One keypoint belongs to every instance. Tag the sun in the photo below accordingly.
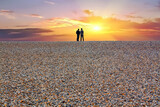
(97, 28)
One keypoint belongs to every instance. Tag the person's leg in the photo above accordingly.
(77, 38)
(83, 38)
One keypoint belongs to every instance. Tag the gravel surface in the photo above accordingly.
(80, 74)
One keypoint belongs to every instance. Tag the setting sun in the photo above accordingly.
(97, 28)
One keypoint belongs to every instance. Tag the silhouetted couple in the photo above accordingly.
(80, 33)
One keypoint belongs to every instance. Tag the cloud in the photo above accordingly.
(49, 2)
(11, 14)
(149, 25)
(34, 15)
(7, 13)
(157, 19)
(59, 23)
(133, 16)
(23, 34)
(22, 26)
(88, 12)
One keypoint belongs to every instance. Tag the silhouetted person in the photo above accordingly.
(78, 33)
(82, 35)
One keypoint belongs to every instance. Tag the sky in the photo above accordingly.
(58, 20)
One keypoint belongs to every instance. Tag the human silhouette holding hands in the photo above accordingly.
(78, 33)
(82, 35)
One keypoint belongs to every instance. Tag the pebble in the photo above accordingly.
(79, 73)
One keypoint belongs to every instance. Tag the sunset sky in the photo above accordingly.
(58, 20)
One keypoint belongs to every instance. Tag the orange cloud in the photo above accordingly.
(7, 13)
(88, 12)
(35, 15)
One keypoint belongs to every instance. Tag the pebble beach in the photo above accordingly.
(72, 74)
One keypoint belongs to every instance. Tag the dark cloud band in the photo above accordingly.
(6, 34)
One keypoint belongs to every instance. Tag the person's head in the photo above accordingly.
(78, 29)
(81, 29)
